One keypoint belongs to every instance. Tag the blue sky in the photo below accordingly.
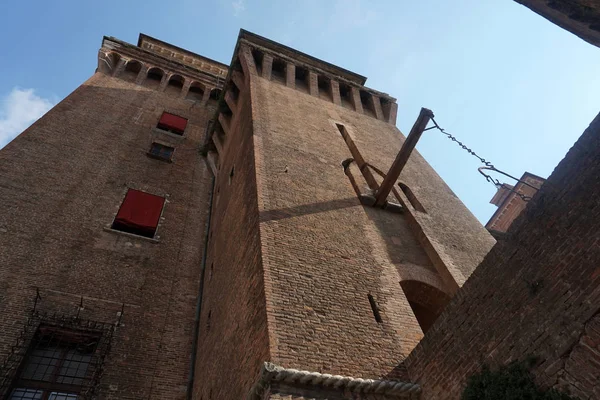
(514, 87)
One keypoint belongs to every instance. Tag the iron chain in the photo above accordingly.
(487, 165)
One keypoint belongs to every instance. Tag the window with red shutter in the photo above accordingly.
(172, 123)
(139, 213)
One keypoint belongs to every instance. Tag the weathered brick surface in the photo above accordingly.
(536, 293)
(61, 184)
(323, 252)
(235, 342)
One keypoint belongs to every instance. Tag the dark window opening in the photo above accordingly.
(231, 174)
(58, 365)
(302, 79)
(324, 88)
(375, 309)
(113, 60)
(154, 78)
(346, 96)
(132, 70)
(208, 320)
(172, 123)
(175, 85)
(235, 91)
(258, 60)
(386, 107)
(211, 271)
(425, 317)
(161, 152)
(427, 302)
(237, 66)
(278, 70)
(367, 103)
(412, 199)
(226, 111)
(215, 96)
(139, 213)
(195, 93)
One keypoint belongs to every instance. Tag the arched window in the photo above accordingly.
(175, 85)
(132, 69)
(153, 78)
(196, 92)
(426, 302)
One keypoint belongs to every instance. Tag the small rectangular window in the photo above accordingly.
(139, 213)
(161, 152)
(58, 365)
(172, 123)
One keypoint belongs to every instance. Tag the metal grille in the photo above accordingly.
(56, 358)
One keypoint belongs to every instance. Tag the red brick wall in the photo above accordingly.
(324, 253)
(61, 183)
(233, 342)
(536, 293)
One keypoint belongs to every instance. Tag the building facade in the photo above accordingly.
(181, 228)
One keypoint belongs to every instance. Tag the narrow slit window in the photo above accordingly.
(375, 308)
(139, 213)
(172, 123)
(161, 152)
(231, 173)
(59, 364)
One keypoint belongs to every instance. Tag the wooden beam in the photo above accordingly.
(409, 144)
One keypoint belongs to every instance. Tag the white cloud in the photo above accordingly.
(18, 110)
(238, 7)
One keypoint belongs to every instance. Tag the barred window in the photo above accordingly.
(58, 365)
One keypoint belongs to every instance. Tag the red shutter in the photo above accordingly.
(139, 213)
(172, 122)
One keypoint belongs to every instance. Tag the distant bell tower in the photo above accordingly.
(511, 201)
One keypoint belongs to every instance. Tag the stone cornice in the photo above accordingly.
(272, 374)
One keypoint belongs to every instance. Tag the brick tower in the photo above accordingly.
(105, 201)
(175, 223)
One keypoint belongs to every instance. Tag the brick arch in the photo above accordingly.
(175, 84)
(422, 274)
(154, 77)
(132, 70)
(426, 301)
(196, 91)
(215, 94)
